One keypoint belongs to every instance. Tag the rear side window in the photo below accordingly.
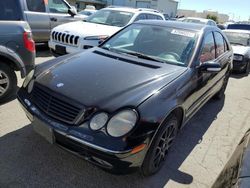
(36, 5)
(151, 17)
(208, 49)
(219, 40)
(10, 10)
(159, 18)
(141, 17)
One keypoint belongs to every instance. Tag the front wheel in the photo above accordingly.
(160, 146)
(8, 81)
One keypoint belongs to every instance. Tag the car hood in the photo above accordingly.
(102, 80)
(242, 50)
(84, 29)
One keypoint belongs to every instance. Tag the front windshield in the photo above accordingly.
(111, 17)
(163, 44)
(238, 38)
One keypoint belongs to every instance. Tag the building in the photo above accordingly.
(222, 18)
(165, 6)
(168, 7)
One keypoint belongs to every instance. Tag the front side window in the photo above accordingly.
(163, 44)
(10, 10)
(219, 40)
(57, 6)
(111, 17)
(237, 38)
(208, 49)
(36, 5)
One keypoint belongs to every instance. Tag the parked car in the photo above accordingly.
(198, 21)
(17, 52)
(239, 26)
(42, 15)
(79, 36)
(236, 172)
(240, 42)
(120, 105)
(87, 12)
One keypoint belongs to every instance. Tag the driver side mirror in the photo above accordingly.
(210, 67)
(72, 11)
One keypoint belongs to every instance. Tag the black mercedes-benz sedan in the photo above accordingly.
(120, 105)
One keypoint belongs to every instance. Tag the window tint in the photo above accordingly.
(141, 17)
(10, 10)
(151, 17)
(219, 40)
(58, 6)
(36, 5)
(159, 18)
(208, 49)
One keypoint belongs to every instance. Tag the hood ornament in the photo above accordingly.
(59, 85)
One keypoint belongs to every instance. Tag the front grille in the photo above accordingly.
(55, 105)
(65, 38)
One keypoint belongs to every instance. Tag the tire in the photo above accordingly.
(160, 146)
(8, 81)
(246, 69)
(221, 92)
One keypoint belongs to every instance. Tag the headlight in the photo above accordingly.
(28, 78)
(98, 121)
(121, 123)
(101, 37)
(238, 57)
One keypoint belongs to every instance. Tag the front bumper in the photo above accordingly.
(239, 65)
(115, 161)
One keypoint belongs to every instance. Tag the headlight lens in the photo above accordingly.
(101, 37)
(238, 57)
(28, 78)
(121, 123)
(98, 121)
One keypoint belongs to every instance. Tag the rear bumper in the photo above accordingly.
(115, 161)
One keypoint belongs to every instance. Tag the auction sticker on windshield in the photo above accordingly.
(183, 33)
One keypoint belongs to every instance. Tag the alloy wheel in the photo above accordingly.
(164, 145)
(4, 83)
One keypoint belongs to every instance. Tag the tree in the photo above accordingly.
(212, 17)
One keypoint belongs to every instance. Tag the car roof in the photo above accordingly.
(176, 24)
(201, 19)
(133, 10)
(237, 31)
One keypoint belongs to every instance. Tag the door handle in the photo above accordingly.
(53, 19)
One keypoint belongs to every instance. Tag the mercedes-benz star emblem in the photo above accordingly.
(60, 85)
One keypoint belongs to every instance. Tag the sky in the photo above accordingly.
(238, 10)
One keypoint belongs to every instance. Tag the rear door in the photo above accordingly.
(38, 19)
(58, 12)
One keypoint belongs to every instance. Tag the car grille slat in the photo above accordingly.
(65, 38)
(56, 106)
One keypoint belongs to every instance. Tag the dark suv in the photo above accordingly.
(17, 48)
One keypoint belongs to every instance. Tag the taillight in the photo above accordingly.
(28, 41)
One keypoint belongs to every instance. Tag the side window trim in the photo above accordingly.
(216, 55)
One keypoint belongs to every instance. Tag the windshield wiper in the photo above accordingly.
(143, 56)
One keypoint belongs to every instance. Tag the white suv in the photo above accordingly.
(81, 35)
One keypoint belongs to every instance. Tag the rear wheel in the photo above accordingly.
(160, 146)
(8, 81)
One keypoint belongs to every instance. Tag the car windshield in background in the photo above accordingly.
(193, 21)
(111, 17)
(238, 38)
(162, 44)
(86, 13)
(239, 26)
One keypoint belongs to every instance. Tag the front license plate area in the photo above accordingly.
(44, 130)
(61, 49)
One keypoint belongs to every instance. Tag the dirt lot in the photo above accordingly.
(197, 157)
